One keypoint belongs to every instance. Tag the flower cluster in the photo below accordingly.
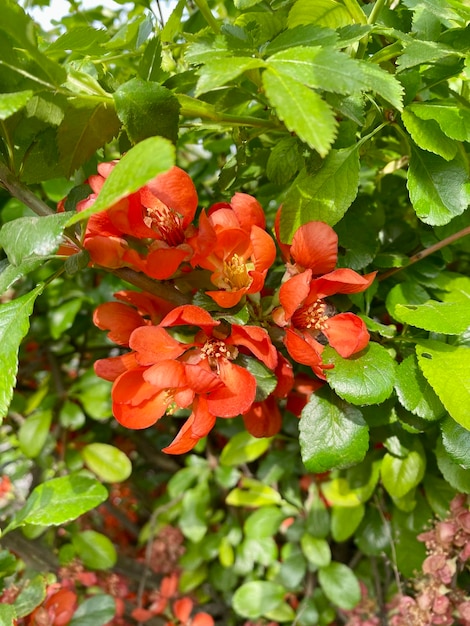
(205, 359)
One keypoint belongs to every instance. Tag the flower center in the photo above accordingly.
(215, 349)
(236, 274)
(313, 317)
(167, 223)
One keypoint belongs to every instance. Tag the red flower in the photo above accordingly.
(167, 373)
(233, 244)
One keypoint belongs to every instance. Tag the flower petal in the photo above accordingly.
(315, 246)
(176, 189)
(343, 280)
(294, 292)
(163, 261)
(154, 344)
(248, 211)
(346, 333)
(305, 350)
(119, 319)
(114, 366)
(166, 375)
(189, 314)
(257, 340)
(238, 393)
(263, 419)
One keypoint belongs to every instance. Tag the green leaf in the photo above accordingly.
(333, 434)
(85, 128)
(428, 136)
(322, 195)
(59, 500)
(454, 121)
(263, 523)
(319, 67)
(27, 238)
(450, 318)
(12, 273)
(143, 162)
(94, 549)
(94, 394)
(383, 83)
(147, 109)
(7, 614)
(32, 594)
(457, 476)
(438, 494)
(322, 12)
(364, 378)
(340, 585)
(194, 515)
(220, 71)
(447, 369)
(244, 448)
(256, 598)
(302, 35)
(302, 110)
(345, 521)
(405, 293)
(95, 611)
(285, 160)
(423, 52)
(401, 475)
(414, 391)
(439, 190)
(12, 102)
(456, 441)
(316, 550)
(253, 493)
(110, 464)
(14, 324)
(33, 432)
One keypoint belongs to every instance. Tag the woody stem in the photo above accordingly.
(427, 251)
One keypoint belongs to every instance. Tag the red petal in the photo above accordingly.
(201, 380)
(264, 249)
(347, 333)
(106, 251)
(154, 344)
(315, 246)
(131, 387)
(162, 262)
(285, 377)
(119, 319)
(227, 299)
(305, 352)
(114, 366)
(342, 281)
(248, 211)
(285, 247)
(238, 394)
(182, 609)
(202, 619)
(189, 314)
(263, 419)
(146, 303)
(176, 189)
(198, 425)
(142, 415)
(257, 340)
(166, 375)
(294, 292)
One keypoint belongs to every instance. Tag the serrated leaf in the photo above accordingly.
(439, 190)
(333, 434)
(454, 121)
(428, 136)
(58, 501)
(364, 378)
(12, 102)
(140, 164)
(217, 72)
(302, 35)
(302, 110)
(447, 369)
(414, 391)
(401, 475)
(94, 549)
(285, 160)
(340, 585)
(110, 464)
(147, 109)
(423, 52)
(257, 597)
(14, 324)
(322, 12)
(323, 195)
(84, 129)
(29, 237)
(95, 611)
(383, 83)
(450, 318)
(243, 448)
(320, 67)
(456, 441)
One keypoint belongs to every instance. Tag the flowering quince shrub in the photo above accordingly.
(234, 314)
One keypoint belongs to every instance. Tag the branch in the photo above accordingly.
(19, 191)
(427, 251)
(166, 291)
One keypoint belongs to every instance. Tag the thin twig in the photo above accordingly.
(19, 191)
(426, 252)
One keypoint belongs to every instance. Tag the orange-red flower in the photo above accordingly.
(147, 230)
(234, 246)
(166, 373)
